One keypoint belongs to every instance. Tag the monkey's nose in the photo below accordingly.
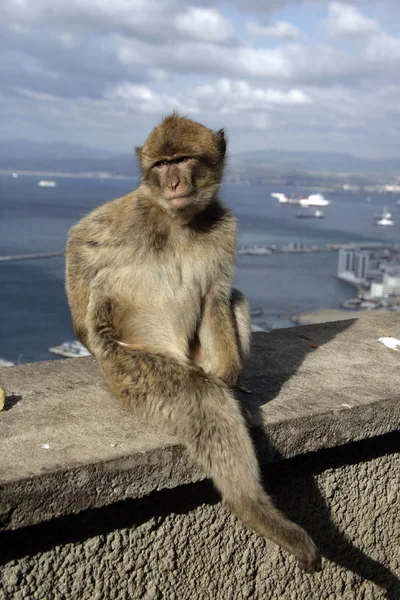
(174, 184)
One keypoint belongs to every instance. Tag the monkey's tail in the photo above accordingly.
(203, 413)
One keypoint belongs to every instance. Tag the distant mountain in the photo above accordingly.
(48, 150)
(304, 160)
(25, 155)
(75, 158)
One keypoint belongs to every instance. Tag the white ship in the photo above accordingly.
(315, 200)
(311, 200)
(385, 222)
(70, 349)
(14, 175)
(47, 183)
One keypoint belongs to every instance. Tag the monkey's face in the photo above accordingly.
(182, 164)
(175, 178)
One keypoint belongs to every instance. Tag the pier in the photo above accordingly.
(30, 256)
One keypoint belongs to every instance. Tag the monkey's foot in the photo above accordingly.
(2, 398)
(243, 388)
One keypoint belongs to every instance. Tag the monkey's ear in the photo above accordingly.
(221, 142)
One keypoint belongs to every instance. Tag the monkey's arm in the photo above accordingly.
(224, 333)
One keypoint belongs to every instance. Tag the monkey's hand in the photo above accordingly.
(230, 375)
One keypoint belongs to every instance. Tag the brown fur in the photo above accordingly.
(149, 285)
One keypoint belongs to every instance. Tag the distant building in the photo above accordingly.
(345, 261)
(354, 265)
(389, 286)
(370, 268)
(361, 264)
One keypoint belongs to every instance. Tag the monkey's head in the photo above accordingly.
(182, 164)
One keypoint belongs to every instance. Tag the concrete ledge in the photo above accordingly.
(67, 446)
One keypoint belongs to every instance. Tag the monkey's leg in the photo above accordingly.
(241, 317)
(223, 342)
(200, 410)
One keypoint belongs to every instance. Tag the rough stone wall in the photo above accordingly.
(182, 544)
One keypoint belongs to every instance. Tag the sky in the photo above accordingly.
(284, 74)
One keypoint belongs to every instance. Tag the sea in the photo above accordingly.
(33, 309)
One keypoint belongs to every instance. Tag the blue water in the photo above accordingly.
(33, 308)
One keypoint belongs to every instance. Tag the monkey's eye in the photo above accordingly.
(182, 159)
(160, 163)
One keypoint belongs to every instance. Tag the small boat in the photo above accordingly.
(254, 327)
(14, 175)
(310, 214)
(257, 311)
(6, 363)
(70, 349)
(385, 214)
(47, 183)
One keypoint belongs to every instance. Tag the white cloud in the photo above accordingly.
(383, 49)
(205, 24)
(240, 96)
(158, 74)
(189, 57)
(86, 68)
(377, 48)
(225, 96)
(142, 99)
(347, 22)
(166, 20)
(280, 30)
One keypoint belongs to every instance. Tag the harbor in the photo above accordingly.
(285, 265)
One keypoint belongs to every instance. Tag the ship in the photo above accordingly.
(47, 183)
(311, 200)
(310, 214)
(283, 199)
(72, 349)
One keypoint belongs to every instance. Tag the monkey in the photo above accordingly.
(149, 285)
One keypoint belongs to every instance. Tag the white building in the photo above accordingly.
(389, 286)
(369, 268)
(354, 265)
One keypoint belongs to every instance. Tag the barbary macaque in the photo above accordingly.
(149, 281)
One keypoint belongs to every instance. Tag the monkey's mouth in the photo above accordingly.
(181, 201)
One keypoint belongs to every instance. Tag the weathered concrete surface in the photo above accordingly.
(345, 389)
(182, 545)
(66, 445)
